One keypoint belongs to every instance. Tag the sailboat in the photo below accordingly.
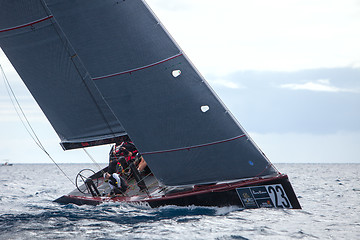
(6, 164)
(102, 71)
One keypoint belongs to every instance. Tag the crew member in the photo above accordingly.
(127, 150)
(117, 184)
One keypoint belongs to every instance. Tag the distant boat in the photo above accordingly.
(102, 71)
(6, 164)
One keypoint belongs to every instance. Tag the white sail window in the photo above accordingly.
(176, 73)
(205, 108)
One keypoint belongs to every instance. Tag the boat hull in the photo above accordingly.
(273, 192)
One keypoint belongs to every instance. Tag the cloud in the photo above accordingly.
(321, 85)
(10, 116)
(32, 111)
(356, 65)
(170, 6)
(226, 83)
(278, 35)
(301, 102)
(307, 147)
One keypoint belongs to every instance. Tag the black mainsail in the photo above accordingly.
(100, 69)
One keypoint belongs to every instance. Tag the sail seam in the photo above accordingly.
(195, 146)
(139, 68)
(26, 24)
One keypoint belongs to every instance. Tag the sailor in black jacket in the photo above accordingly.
(117, 184)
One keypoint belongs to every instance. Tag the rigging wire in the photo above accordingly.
(25, 122)
(13, 100)
(94, 161)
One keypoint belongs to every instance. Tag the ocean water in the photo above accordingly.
(328, 193)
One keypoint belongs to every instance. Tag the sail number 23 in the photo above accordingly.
(278, 196)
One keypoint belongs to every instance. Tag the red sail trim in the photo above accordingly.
(27, 24)
(195, 146)
(137, 69)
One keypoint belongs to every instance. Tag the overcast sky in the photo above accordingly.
(288, 70)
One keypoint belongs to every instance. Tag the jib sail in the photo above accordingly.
(54, 74)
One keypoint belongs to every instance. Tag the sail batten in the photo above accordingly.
(26, 24)
(188, 148)
(138, 68)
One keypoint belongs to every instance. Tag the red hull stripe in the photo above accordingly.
(195, 146)
(27, 24)
(138, 69)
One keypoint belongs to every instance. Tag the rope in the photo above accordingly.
(26, 122)
(133, 185)
(92, 159)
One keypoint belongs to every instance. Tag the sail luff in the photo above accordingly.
(213, 92)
